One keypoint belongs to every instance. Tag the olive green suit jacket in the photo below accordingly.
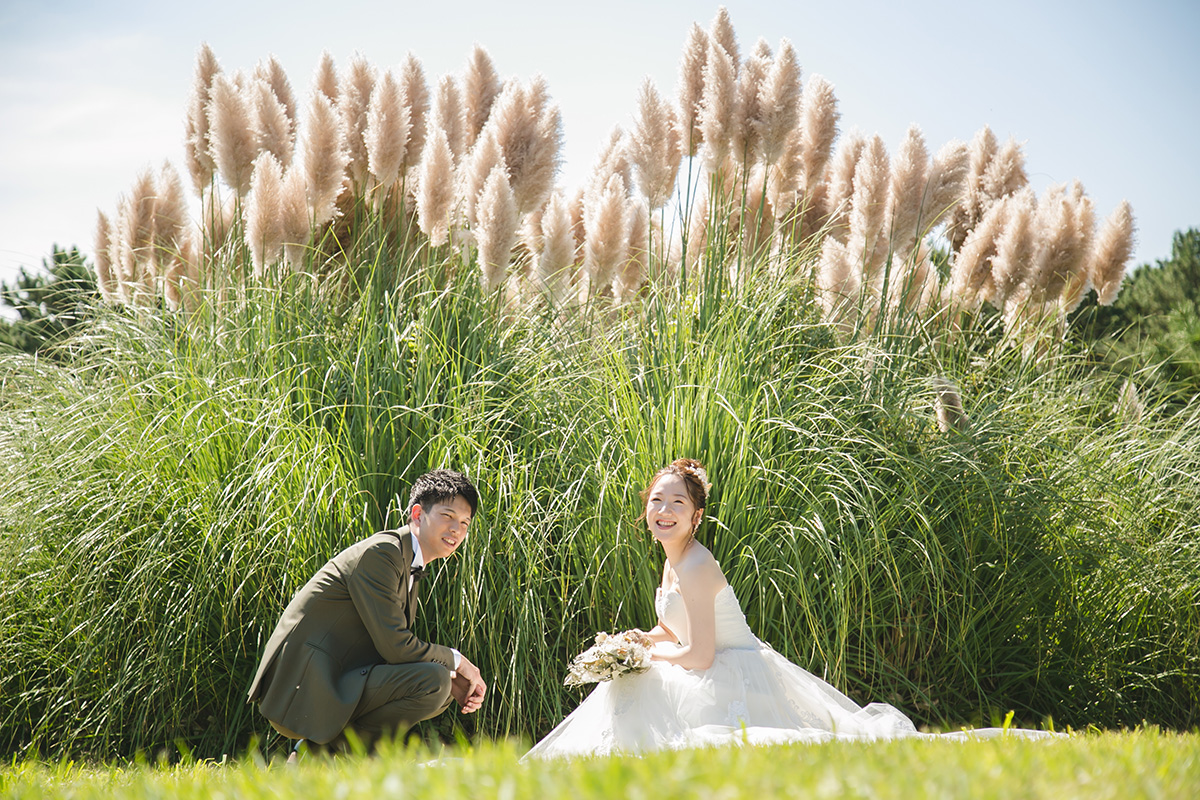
(355, 613)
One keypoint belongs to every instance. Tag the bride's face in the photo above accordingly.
(670, 512)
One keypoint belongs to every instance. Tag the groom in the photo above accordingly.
(343, 655)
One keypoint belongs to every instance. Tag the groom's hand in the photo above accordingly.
(467, 686)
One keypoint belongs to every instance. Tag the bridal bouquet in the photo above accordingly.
(612, 655)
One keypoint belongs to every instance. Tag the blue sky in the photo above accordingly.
(90, 93)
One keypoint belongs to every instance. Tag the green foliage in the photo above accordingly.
(48, 304)
(1153, 327)
(173, 483)
(1152, 293)
(1121, 766)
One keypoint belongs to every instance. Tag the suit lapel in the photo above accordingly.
(410, 605)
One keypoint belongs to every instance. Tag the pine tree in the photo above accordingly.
(1155, 320)
(40, 308)
(1151, 296)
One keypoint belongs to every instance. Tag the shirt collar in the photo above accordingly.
(418, 559)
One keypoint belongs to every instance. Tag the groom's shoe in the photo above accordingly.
(294, 757)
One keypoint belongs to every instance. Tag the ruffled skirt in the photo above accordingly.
(747, 696)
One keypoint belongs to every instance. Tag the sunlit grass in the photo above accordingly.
(1115, 765)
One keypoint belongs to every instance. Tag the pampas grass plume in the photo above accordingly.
(1079, 280)
(325, 158)
(819, 117)
(264, 214)
(948, 407)
(528, 129)
(481, 85)
(124, 266)
(474, 172)
(196, 141)
(135, 246)
(746, 129)
(606, 220)
(1112, 252)
(718, 111)
(1014, 250)
(271, 72)
(177, 280)
(914, 282)
(947, 177)
(273, 129)
(837, 283)
(546, 160)
(655, 146)
(448, 116)
(613, 159)
(416, 98)
(325, 78)
(140, 220)
(529, 244)
(1004, 174)
(779, 104)
(575, 208)
(631, 274)
(353, 104)
(970, 208)
(388, 132)
(691, 88)
(910, 171)
(721, 32)
(170, 213)
(233, 143)
(106, 281)
(496, 231)
(556, 262)
(971, 280)
(840, 182)
(295, 219)
(1059, 246)
(783, 178)
(435, 188)
(868, 208)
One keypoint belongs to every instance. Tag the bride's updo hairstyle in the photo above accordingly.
(694, 477)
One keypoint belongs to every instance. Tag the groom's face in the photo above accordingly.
(441, 528)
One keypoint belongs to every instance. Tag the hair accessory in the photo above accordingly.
(701, 476)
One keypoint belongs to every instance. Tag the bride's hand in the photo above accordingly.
(641, 637)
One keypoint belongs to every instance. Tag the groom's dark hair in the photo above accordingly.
(442, 486)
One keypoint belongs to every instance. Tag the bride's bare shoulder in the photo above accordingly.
(700, 569)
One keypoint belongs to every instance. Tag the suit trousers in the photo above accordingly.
(397, 697)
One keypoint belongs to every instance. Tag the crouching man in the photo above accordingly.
(343, 655)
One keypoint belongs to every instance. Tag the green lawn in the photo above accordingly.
(1146, 763)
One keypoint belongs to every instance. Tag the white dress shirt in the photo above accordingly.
(419, 561)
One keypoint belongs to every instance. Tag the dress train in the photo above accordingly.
(750, 695)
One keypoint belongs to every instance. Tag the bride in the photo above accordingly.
(711, 681)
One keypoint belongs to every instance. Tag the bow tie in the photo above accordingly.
(416, 573)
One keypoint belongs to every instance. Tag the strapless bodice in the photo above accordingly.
(732, 630)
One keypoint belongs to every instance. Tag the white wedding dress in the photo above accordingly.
(750, 695)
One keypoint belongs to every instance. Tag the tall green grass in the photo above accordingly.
(166, 492)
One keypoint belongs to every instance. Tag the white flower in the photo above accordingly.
(611, 655)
